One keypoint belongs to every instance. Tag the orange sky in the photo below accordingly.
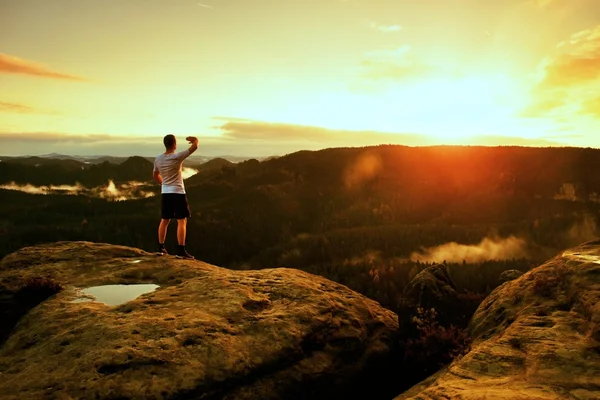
(267, 77)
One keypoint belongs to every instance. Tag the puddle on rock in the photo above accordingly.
(114, 295)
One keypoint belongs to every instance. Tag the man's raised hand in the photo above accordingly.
(192, 139)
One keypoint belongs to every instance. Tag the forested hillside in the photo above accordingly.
(370, 218)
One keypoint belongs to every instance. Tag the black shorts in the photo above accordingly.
(174, 205)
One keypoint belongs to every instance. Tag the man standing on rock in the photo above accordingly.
(174, 204)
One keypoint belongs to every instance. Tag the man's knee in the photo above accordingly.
(182, 221)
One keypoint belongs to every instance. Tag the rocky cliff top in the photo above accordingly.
(204, 332)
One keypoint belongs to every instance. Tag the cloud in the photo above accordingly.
(232, 119)
(16, 108)
(384, 28)
(487, 249)
(15, 65)
(591, 107)
(392, 63)
(543, 3)
(578, 64)
(389, 54)
(549, 4)
(8, 107)
(56, 137)
(568, 81)
(268, 132)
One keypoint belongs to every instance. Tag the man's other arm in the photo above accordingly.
(157, 177)
(156, 174)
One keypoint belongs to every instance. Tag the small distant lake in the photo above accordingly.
(114, 295)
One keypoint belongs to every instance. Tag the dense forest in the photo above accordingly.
(370, 218)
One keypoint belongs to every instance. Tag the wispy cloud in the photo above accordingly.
(544, 4)
(578, 64)
(568, 81)
(384, 28)
(591, 107)
(268, 132)
(492, 248)
(18, 108)
(205, 5)
(15, 65)
(57, 137)
(542, 106)
(278, 132)
(391, 63)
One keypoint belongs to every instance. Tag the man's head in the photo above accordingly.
(170, 142)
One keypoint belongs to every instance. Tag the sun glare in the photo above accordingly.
(448, 110)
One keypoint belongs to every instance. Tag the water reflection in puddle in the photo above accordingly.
(114, 295)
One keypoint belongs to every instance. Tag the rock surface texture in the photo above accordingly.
(205, 333)
(535, 337)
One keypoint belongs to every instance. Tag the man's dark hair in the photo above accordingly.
(169, 141)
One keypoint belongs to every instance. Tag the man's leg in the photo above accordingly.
(162, 235)
(166, 213)
(162, 230)
(181, 231)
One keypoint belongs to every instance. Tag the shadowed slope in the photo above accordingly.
(535, 337)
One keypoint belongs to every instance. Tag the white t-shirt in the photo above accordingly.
(169, 166)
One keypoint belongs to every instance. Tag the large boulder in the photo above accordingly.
(536, 337)
(205, 332)
(432, 288)
(510, 275)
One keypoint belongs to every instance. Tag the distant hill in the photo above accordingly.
(56, 169)
(68, 163)
(39, 171)
(215, 163)
(193, 161)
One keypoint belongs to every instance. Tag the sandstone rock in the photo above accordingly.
(206, 332)
(510, 275)
(432, 288)
(536, 337)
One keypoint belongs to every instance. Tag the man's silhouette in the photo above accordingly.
(174, 204)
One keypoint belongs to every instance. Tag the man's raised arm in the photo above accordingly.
(194, 143)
